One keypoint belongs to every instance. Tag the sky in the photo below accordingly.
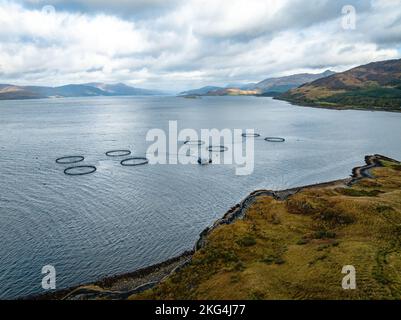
(177, 45)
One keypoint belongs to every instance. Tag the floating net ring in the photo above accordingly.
(80, 170)
(136, 161)
(194, 143)
(250, 135)
(70, 159)
(118, 153)
(217, 149)
(274, 139)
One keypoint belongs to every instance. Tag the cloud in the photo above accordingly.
(125, 8)
(182, 44)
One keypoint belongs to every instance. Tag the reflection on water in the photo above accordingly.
(123, 218)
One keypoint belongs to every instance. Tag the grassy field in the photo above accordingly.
(296, 248)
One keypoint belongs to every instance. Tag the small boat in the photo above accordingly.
(204, 161)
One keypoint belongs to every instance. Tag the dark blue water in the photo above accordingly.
(122, 219)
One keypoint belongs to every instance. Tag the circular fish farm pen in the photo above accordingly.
(80, 170)
(250, 135)
(118, 153)
(133, 162)
(194, 143)
(217, 149)
(70, 159)
(274, 139)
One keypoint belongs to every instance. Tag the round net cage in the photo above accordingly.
(133, 162)
(274, 139)
(217, 149)
(194, 143)
(80, 170)
(118, 153)
(70, 159)
(250, 135)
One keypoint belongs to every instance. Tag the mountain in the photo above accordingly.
(13, 92)
(376, 85)
(201, 91)
(267, 87)
(231, 92)
(284, 84)
(122, 89)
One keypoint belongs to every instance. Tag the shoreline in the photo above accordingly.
(334, 107)
(121, 285)
(300, 104)
(124, 285)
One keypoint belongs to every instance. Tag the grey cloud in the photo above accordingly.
(179, 44)
(392, 31)
(294, 14)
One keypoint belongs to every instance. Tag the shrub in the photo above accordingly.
(275, 219)
(300, 206)
(239, 266)
(235, 278)
(323, 247)
(257, 295)
(279, 261)
(359, 193)
(268, 260)
(321, 234)
(335, 243)
(273, 259)
(213, 255)
(247, 241)
(302, 242)
(337, 217)
(383, 208)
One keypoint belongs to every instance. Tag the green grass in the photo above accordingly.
(379, 97)
(373, 98)
(359, 192)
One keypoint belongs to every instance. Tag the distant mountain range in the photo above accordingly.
(13, 92)
(267, 87)
(373, 86)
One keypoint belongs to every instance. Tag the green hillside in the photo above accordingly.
(373, 86)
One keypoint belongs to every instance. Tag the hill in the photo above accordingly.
(294, 244)
(267, 87)
(284, 84)
(201, 91)
(373, 86)
(13, 92)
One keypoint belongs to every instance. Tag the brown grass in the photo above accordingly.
(295, 249)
